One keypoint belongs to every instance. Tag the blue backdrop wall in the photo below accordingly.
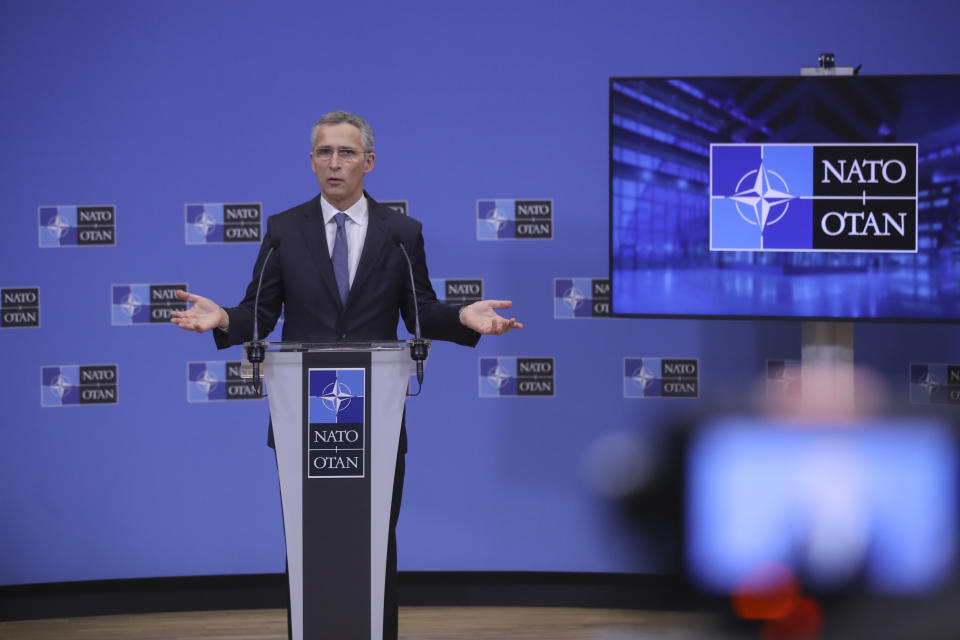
(150, 107)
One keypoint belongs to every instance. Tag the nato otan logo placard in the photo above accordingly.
(397, 206)
(132, 304)
(514, 219)
(76, 385)
(932, 383)
(336, 423)
(462, 291)
(219, 380)
(78, 225)
(813, 197)
(214, 223)
(20, 307)
(783, 379)
(661, 378)
(506, 376)
(581, 298)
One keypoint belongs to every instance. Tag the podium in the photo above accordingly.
(336, 410)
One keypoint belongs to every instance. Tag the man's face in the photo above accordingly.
(340, 172)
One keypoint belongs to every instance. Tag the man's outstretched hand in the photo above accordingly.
(205, 314)
(481, 316)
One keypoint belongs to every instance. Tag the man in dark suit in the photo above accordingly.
(339, 272)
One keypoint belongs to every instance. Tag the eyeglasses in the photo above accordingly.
(346, 154)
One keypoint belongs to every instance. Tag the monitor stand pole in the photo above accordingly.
(826, 367)
(826, 352)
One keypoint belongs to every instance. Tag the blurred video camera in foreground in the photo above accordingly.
(804, 516)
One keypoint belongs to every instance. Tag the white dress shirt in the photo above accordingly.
(355, 226)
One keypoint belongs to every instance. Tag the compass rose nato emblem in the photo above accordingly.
(337, 396)
(497, 377)
(130, 304)
(207, 381)
(204, 224)
(58, 226)
(933, 383)
(495, 219)
(573, 298)
(60, 385)
(760, 197)
(643, 378)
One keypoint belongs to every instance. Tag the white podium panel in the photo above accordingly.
(336, 411)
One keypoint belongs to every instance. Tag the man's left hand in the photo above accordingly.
(482, 317)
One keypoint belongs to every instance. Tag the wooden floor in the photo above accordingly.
(416, 623)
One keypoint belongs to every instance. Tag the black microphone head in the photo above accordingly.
(397, 240)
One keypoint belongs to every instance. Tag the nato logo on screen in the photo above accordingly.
(78, 226)
(462, 291)
(505, 219)
(661, 378)
(506, 376)
(75, 385)
(219, 380)
(214, 223)
(336, 422)
(932, 383)
(133, 304)
(813, 197)
(20, 307)
(581, 297)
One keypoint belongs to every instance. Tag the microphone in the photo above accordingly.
(256, 348)
(418, 347)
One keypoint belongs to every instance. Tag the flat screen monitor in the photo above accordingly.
(786, 197)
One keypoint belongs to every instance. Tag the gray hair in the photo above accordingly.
(337, 117)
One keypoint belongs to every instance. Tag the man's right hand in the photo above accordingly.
(205, 314)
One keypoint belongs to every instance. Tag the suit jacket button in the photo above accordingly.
(343, 336)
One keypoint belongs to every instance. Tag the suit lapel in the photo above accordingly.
(377, 233)
(315, 235)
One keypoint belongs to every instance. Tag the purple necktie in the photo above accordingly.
(340, 268)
